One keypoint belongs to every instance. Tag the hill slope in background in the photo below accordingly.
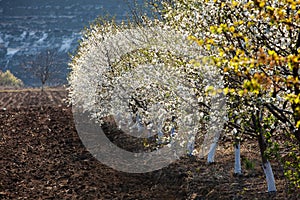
(29, 27)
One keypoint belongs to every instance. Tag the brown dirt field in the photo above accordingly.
(42, 157)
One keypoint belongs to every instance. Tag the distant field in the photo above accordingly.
(32, 97)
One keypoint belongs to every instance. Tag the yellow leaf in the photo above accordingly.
(210, 88)
(271, 52)
(262, 4)
(208, 46)
(226, 69)
(219, 30)
(297, 100)
(295, 59)
(210, 41)
(241, 92)
(231, 29)
(221, 53)
(191, 37)
(298, 124)
(270, 8)
(200, 42)
(212, 29)
(234, 3)
(250, 23)
(223, 26)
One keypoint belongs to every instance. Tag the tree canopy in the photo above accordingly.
(253, 45)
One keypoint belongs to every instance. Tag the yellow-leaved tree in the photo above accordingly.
(256, 45)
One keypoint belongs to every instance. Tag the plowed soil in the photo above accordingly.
(42, 157)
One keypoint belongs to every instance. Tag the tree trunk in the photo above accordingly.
(269, 177)
(190, 145)
(211, 153)
(237, 160)
(256, 118)
(266, 165)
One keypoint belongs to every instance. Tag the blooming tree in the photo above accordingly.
(146, 77)
(156, 73)
(256, 44)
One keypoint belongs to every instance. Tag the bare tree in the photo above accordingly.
(45, 66)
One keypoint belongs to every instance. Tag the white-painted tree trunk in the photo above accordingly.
(237, 160)
(191, 146)
(160, 136)
(211, 153)
(269, 177)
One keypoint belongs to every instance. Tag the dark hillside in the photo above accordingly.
(29, 27)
